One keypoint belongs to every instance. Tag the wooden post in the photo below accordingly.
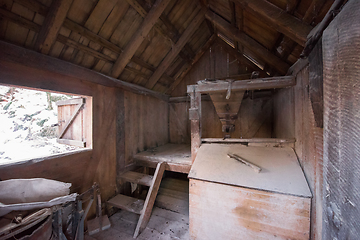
(195, 118)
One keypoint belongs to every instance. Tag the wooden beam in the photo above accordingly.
(172, 33)
(74, 44)
(251, 84)
(252, 45)
(198, 55)
(42, 10)
(317, 32)
(136, 40)
(291, 6)
(233, 19)
(189, 31)
(240, 57)
(12, 56)
(279, 19)
(51, 26)
(195, 107)
(313, 11)
(249, 140)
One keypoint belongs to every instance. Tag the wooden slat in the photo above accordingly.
(248, 43)
(127, 203)
(171, 33)
(71, 142)
(150, 199)
(138, 37)
(52, 24)
(176, 49)
(138, 178)
(42, 9)
(70, 101)
(72, 118)
(240, 57)
(249, 140)
(188, 67)
(251, 84)
(278, 19)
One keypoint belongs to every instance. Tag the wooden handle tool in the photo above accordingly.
(240, 159)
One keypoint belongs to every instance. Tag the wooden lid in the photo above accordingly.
(281, 172)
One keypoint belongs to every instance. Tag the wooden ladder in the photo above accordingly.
(138, 206)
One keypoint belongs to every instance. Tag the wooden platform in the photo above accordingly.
(176, 156)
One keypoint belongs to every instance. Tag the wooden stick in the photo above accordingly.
(254, 167)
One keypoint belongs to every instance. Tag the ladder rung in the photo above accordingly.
(138, 178)
(127, 203)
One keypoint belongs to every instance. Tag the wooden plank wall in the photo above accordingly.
(254, 118)
(294, 118)
(215, 63)
(341, 55)
(136, 115)
(146, 124)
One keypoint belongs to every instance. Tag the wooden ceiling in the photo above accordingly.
(154, 43)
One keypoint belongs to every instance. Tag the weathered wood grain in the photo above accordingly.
(199, 17)
(26, 58)
(149, 21)
(249, 43)
(253, 84)
(218, 210)
(52, 24)
(279, 19)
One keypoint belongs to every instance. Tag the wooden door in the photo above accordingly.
(71, 122)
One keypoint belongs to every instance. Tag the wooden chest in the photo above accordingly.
(229, 200)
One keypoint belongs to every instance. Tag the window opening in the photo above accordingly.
(37, 124)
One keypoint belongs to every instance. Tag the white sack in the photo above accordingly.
(26, 194)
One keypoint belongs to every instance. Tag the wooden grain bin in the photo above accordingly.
(229, 200)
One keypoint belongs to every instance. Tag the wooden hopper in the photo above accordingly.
(227, 109)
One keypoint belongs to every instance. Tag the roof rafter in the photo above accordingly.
(136, 40)
(187, 67)
(279, 19)
(249, 43)
(172, 32)
(42, 10)
(167, 61)
(71, 43)
(240, 57)
(51, 26)
(313, 10)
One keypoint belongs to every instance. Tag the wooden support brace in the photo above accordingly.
(195, 103)
(138, 37)
(52, 24)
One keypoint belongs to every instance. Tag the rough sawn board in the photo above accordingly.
(281, 172)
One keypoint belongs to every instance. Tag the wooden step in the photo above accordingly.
(150, 199)
(127, 203)
(138, 178)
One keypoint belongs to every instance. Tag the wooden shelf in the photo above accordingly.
(176, 156)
